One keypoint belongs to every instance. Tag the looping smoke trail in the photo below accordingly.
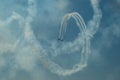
(3, 24)
(85, 38)
(81, 42)
(94, 23)
(79, 21)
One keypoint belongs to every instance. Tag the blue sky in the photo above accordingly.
(19, 62)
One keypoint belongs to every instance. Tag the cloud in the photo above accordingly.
(14, 51)
(25, 55)
(118, 1)
(106, 38)
(24, 58)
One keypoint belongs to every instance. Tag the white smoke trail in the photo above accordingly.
(94, 23)
(3, 24)
(54, 67)
(81, 43)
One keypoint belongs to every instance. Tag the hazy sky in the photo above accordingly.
(18, 62)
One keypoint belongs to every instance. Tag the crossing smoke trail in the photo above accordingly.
(85, 38)
(81, 43)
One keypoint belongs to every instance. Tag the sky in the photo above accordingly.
(30, 49)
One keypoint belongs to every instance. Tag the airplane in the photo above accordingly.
(60, 39)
